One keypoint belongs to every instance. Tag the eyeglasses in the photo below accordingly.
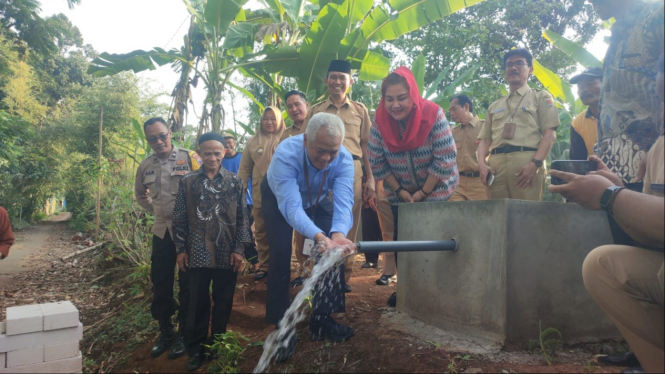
(518, 64)
(162, 137)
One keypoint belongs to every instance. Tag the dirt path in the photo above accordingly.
(27, 249)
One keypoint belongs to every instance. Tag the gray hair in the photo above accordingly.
(333, 125)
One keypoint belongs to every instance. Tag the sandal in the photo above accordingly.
(260, 275)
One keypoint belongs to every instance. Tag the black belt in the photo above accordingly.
(512, 149)
(474, 174)
(356, 158)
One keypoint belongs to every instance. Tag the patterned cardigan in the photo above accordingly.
(437, 156)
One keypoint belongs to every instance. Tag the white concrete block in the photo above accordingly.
(24, 319)
(17, 342)
(23, 357)
(3, 327)
(59, 315)
(68, 365)
(61, 351)
(3, 363)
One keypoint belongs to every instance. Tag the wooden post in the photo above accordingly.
(99, 178)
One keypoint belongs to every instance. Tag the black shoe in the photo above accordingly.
(369, 265)
(195, 361)
(326, 328)
(392, 300)
(164, 341)
(386, 280)
(285, 352)
(347, 288)
(178, 348)
(627, 359)
(297, 282)
(635, 370)
(260, 275)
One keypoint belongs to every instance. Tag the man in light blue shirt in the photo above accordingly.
(305, 173)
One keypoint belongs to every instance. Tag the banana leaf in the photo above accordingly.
(418, 70)
(374, 67)
(321, 44)
(137, 61)
(554, 84)
(220, 13)
(573, 50)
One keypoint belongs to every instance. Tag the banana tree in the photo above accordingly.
(431, 91)
(212, 20)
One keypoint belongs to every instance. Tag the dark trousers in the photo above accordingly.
(371, 231)
(162, 275)
(280, 234)
(251, 254)
(223, 288)
(621, 237)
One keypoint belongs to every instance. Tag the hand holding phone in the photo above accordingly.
(578, 167)
(490, 179)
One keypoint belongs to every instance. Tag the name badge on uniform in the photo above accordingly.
(307, 247)
(509, 130)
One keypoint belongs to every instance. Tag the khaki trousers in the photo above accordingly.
(470, 189)
(505, 166)
(387, 223)
(299, 239)
(260, 227)
(627, 283)
(357, 208)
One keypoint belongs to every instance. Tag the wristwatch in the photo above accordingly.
(539, 163)
(608, 197)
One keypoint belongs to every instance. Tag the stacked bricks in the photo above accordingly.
(41, 338)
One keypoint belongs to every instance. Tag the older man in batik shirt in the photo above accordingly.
(211, 231)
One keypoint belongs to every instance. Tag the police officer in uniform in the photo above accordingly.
(155, 187)
(357, 125)
(519, 130)
(466, 140)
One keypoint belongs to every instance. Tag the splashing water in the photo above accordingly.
(280, 338)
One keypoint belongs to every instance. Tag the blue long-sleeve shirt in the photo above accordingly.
(286, 178)
(232, 164)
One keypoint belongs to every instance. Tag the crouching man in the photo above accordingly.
(211, 231)
(306, 171)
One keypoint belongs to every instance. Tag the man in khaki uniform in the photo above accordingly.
(155, 188)
(466, 140)
(297, 107)
(520, 130)
(357, 125)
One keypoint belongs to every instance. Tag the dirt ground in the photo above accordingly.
(376, 347)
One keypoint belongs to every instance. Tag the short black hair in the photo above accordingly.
(294, 92)
(463, 99)
(521, 52)
(154, 120)
(661, 64)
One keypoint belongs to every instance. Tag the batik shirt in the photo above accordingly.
(210, 219)
(628, 124)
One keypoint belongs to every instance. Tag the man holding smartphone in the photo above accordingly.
(519, 131)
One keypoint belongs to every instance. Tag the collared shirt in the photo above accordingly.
(356, 122)
(232, 164)
(210, 219)
(293, 131)
(466, 141)
(586, 126)
(629, 124)
(654, 180)
(535, 114)
(156, 185)
(286, 178)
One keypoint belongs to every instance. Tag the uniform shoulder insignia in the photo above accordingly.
(195, 159)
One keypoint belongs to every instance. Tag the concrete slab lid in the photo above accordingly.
(57, 308)
(23, 311)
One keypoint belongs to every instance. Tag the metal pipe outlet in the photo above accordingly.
(419, 246)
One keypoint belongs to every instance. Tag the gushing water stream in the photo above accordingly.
(280, 337)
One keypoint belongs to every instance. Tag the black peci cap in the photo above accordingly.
(341, 66)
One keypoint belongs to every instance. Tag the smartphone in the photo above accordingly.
(579, 167)
(490, 179)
